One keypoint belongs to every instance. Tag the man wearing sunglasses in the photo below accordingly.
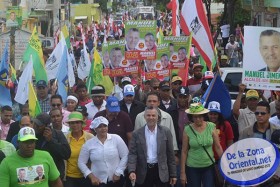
(261, 128)
(56, 102)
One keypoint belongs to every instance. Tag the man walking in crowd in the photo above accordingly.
(194, 83)
(5, 121)
(129, 105)
(151, 160)
(232, 49)
(98, 101)
(43, 96)
(166, 100)
(119, 121)
(52, 141)
(56, 121)
(27, 158)
(176, 82)
(245, 117)
(56, 102)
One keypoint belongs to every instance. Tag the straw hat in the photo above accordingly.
(196, 109)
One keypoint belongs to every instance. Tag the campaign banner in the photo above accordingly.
(177, 51)
(261, 62)
(114, 62)
(140, 37)
(14, 16)
(249, 162)
(158, 68)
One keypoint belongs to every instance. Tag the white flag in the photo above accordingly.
(26, 76)
(84, 64)
(71, 76)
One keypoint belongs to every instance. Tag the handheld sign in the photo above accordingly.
(249, 162)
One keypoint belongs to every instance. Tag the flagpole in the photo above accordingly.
(211, 87)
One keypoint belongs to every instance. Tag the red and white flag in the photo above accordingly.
(174, 6)
(193, 19)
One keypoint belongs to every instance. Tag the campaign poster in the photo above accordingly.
(158, 68)
(261, 62)
(14, 16)
(114, 62)
(177, 51)
(140, 37)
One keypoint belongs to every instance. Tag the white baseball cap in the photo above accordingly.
(128, 90)
(98, 121)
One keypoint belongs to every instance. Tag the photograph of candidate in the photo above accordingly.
(12, 22)
(40, 173)
(269, 46)
(116, 57)
(150, 42)
(22, 175)
(182, 54)
(164, 61)
(132, 38)
(150, 65)
(106, 59)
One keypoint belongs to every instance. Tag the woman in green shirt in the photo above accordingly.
(197, 157)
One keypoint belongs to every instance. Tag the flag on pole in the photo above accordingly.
(96, 75)
(174, 6)
(13, 74)
(65, 32)
(217, 91)
(34, 105)
(62, 75)
(26, 77)
(4, 76)
(34, 48)
(84, 64)
(193, 19)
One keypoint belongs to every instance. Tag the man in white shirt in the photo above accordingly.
(232, 49)
(98, 101)
(225, 33)
(276, 119)
(56, 119)
(151, 146)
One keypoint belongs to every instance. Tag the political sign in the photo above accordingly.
(177, 51)
(140, 37)
(249, 162)
(14, 16)
(158, 68)
(114, 62)
(261, 63)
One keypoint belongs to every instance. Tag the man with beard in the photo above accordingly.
(194, 84)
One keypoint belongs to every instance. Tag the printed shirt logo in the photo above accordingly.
(30, 175)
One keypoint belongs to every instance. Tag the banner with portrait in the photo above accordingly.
(158, 68)
(13, 16)
(261, 63)
(114, 63)
(140, 37)
(177, 51)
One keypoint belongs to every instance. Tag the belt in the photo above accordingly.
(152, 165)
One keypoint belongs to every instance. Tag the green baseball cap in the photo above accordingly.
(26, 133)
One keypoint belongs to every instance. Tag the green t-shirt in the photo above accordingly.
(7, 148)
(197, 157)
(36, 171)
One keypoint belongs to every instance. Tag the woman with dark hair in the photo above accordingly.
(223, 127)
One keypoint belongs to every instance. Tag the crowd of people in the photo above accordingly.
(156, 135)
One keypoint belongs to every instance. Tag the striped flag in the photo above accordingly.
(193, 19)
(34, 105)
(174, 6)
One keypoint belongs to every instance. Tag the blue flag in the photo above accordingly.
(62, 76)
(217, 91)
(4, 76)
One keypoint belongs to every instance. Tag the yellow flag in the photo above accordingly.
(34, 105)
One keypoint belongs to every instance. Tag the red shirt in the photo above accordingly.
(225, 134)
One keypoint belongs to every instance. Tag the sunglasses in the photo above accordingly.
(156, 87)
(260, 113)
(176, 83)
(56, 105)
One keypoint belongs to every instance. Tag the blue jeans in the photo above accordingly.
(198, 176)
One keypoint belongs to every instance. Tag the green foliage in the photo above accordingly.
(241, 16)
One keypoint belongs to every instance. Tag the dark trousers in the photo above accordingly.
(152, 178)
(74, 182)
(196, 176)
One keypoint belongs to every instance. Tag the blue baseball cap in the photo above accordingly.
(113, 104)
(128, 90)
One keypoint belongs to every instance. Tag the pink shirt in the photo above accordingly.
(5, 129)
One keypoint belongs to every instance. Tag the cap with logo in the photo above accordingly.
(176, 78)
(214, 106)
(41, 83)
(98, 121)
(113, 104)
(97, 91)
(128, 90)
(126, 79)
(183, 90)
(252, 94)
(82, 109)
(208, 75)
(26, 133)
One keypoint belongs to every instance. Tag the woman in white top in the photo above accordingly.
(108, 155)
